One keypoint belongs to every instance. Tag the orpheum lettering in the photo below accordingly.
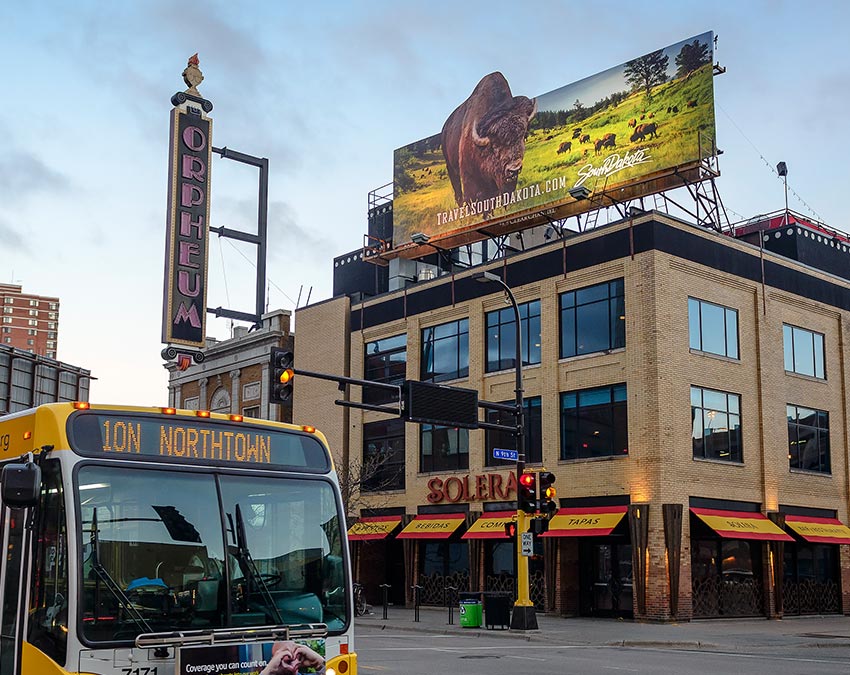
(184, 306)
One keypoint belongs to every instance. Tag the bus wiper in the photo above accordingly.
(249, 568)
(110, 583)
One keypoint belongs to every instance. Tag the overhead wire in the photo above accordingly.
(254, 265)
(769, 166)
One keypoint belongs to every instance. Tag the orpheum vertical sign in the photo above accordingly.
(184, 304)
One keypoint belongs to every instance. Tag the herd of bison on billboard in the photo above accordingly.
(501, 155)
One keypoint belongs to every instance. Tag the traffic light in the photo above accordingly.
(548, 505)
(281, 375)
(539, 525)
(527, 497)
(510, 529)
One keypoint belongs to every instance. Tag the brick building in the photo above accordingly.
(30, 322)
(233, 378)
(688, 389)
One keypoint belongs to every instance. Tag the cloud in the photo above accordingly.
(23, 174)
(12, 239)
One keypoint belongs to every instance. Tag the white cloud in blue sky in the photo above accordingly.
(327, 91)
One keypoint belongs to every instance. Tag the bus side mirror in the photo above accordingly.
(20, 485)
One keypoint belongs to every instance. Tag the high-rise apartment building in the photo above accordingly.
(30, 322)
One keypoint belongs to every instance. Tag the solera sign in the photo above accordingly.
(472, 488)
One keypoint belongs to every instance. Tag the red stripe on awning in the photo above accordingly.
(373, 527)
(819, 530)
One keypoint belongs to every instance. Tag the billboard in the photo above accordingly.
(507, 161)
(185, 289)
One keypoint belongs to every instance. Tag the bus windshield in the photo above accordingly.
(174, 549)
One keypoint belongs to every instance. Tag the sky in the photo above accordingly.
(327, 91)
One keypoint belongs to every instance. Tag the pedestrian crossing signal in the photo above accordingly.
(510, 529)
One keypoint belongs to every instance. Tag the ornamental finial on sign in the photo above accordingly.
(192, 75)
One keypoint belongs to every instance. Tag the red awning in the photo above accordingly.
(432, 526)
(741, 525)
(819, 530)
(491, 525)
(590, 521)
(373, 527)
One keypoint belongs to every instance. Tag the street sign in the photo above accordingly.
(501, 453)
(527, 543)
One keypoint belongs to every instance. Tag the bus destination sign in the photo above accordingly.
(196, 441)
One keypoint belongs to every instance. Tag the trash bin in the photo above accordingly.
(470, 610)
(497, 609)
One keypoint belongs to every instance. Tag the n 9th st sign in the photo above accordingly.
(184, 304)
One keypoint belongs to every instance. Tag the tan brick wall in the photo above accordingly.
(659, 368)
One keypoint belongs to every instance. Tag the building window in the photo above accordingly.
(7, 340)
(593, 319)
(383, 456)
(803, 351)
(716, 419)
(594, 423)
(30, 342)
(51, 335)
(250, 391)
(32, 331)
(51, 325)
(7, 319)
(33, 312)
(501, 336)
(51, 343)
(33, 303)
(53, 305)
(8, 310)
(443, 448)
(32, 322)
(808, 439)
(51, 354)
(253, 411)
(6, 329)
(507, 440)
(713, 328)
(10, 301)
(385, 361)
(445, 351)
(51, 315)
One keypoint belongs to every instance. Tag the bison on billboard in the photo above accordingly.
(502, 158)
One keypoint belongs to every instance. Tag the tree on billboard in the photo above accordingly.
(691, 57)
(647, 71)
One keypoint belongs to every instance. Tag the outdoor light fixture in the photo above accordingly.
(579, 192)
(634, 211)
(486, 277)
(782, 169)
(420, 238)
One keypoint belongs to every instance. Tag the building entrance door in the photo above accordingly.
(606, 579)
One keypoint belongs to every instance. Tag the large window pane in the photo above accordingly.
(808, 439)
(804, 351)
(443, 448)
(501, 336)
(716, 425)
(712, 328)
(385, 361)
(383, 456)
(507, 440)
(594, 423)
(592, 319)
(445, 352)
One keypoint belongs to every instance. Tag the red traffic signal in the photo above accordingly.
(527, 497)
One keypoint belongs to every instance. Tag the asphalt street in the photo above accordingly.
(811, 645)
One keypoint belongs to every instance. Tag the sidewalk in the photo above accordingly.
(709, 634)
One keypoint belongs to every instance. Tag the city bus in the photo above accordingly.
(155, 541)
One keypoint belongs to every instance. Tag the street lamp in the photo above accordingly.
(523, 616)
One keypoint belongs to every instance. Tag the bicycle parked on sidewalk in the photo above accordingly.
(360, 606)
